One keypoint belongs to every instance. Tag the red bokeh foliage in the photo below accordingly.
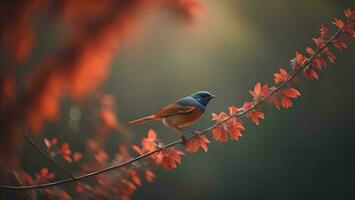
(83, 63)
(77, 68)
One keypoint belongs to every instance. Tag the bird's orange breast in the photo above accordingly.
(182, 120)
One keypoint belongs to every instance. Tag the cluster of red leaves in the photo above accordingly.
(168, 158)
(43, 176)
(63, 150)
(228, 125)
(124, 183)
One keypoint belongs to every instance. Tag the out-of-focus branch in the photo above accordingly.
(44, 155)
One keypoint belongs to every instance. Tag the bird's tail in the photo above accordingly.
(143, 120)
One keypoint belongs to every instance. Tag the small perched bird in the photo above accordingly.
(180, 114)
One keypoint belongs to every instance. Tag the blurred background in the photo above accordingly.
(305, 152)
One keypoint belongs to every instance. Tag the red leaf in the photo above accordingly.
(233, 110)
(340, 44)
(330, 55)
(286, 102)
(323, 32)
(274, 100)
(247, 106)
(149, 143)
(171, 158)
(152, 135)
(65, 152)
(349, 31)
(291, 92)
(134, 176)
(149, 175)
(310, 74)
(257, 91)
(77, 156)
(282, 76)
(137, 149)
(310, 50)
(350, 14)
(195, 143)
(255, 116)
(299, 57)
(265, 90)
(44, 175)
(219, 134)
(101, 156)
(79, 187)
(319, 42)
(319, 62)
(339, 23)
(220, 117)
(234, 128)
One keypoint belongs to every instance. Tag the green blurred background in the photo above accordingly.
(305, 152)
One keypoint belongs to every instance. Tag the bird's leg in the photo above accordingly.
(183, 138)
(195, 133)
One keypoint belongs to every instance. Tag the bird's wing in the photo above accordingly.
(175, 109)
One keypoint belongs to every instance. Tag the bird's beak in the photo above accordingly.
(213, 96)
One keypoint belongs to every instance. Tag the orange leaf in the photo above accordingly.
(265, 90)
(101, 156)
(234, 128)
(339, 23)
(195, 143)
(247, 106)
(257, 91)
(149, 175)
(219, 134)
(323, 32)
(291, 92)
(233, 110)
(286, 102)
(137, 149)
(134, 176)
(299, 57)
(310, 74)
(171, 158)
(350, 14)
(220, 117)
(45, 175)
(152, 135)
(319, 42)
(282, 76)
(255, 116)
(340, 44)
(319, 62)
(310, 50)
(77, 156)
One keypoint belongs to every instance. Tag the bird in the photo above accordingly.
(180, 114)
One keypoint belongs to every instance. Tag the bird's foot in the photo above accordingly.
(196, 133)
(184, 140)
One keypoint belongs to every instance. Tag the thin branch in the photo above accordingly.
(46, 156)
(179, 141)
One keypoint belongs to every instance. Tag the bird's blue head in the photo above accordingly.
(202, 97)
